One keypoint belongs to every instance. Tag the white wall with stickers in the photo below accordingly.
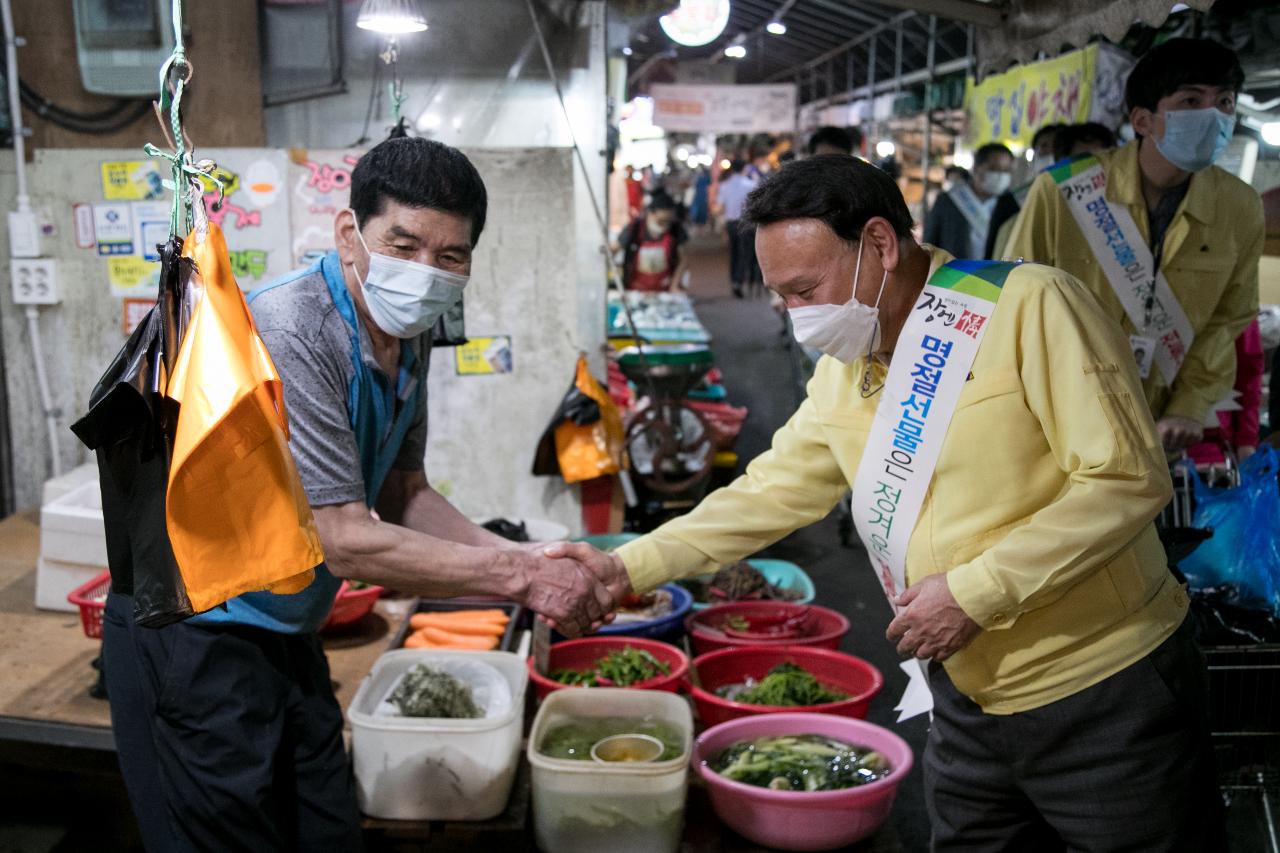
(101, 213)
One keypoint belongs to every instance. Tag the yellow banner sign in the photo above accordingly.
(483, 356)
(1012, 106)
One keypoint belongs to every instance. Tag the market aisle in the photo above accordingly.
(753, 353)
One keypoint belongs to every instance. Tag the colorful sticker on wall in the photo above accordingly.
(248, 264)
(133, 277)
(263, 182)
(82, 219)
(319, 186)
(135, 311)
(113, 229)
(484, 356)
(150, 227)
(131, 180)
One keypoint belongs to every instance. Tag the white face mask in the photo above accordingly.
(406, 298)
(844, 332)
(994, 183)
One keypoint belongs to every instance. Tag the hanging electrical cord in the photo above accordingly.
(612, 274)
(122, 113)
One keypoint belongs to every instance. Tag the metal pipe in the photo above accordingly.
(928, 119)
(11, 44)
(849, 45)
(42, 380)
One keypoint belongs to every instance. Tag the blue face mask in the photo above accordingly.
(1194, 139)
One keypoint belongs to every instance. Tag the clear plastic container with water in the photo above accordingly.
(620, 797)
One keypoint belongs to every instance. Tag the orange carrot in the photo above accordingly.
(421, 620)
(458, 641)
(416, 641)
(476, 629)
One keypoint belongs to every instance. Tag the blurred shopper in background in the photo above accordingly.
(1010, 201)
(651, 246)
(1076, 139)
(961, 217)
(734, 189)
(834, 140)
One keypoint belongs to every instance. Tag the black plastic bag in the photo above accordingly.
(576, 407)
(130, 425)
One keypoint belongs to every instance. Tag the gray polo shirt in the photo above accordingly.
(310, 343)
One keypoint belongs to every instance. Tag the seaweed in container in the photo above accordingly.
(786, 686)
(800, 763)
(574, 738)
(428, 692)
(739, 581)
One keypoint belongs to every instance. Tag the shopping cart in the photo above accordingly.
(1244, 689)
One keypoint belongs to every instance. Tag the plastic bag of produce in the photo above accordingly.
(1244, 552)
(584, 439)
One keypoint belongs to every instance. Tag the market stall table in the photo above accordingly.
(46, 670)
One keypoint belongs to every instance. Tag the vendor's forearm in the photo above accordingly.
(360, 547)
(408, 500)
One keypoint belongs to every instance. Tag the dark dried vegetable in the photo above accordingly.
(428, 692)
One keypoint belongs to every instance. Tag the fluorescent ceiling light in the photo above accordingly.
(1271, 133)
(776, 28)
(627, 51)
(696, 22)
(735, 51)
(391, 17)
(885, 148)
(725, 164)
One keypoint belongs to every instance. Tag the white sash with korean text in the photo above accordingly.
(931, 363)
(1127, 262)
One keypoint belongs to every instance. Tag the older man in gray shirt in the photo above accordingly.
(226, 725)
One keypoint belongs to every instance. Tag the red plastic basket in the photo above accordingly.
(91, 598)
(351, 605)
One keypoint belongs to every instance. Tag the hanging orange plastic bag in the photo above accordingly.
(584, 439)
(237, 515)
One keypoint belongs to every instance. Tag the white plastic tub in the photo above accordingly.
(587, 807)
(410, 768)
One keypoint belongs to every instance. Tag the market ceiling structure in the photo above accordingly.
(829, 46)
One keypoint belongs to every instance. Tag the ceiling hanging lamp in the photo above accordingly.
(696, 22)
(391, 17)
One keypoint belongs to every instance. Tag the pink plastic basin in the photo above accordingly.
(848, 674)
(824, 628)
(800, 820)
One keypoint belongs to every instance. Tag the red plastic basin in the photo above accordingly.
(837, 671)
(826, 627)
(583, 654)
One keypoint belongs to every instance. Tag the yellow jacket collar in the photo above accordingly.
(1124, 184)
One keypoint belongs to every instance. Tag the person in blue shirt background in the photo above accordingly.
(227, 729)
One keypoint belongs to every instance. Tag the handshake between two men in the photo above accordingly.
(574, 586)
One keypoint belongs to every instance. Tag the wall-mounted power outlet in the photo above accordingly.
(35, 281)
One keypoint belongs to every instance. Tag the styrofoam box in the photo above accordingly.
(56, 487)
(429, 769)
(71, 528)
(73, 545)
(588, 807)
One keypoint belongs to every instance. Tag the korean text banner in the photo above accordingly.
(1012, 106)
(724, 109)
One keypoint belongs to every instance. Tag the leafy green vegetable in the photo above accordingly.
(574, 739)
(787, 685)
(428, 692)
(617, 669)
(800, 763)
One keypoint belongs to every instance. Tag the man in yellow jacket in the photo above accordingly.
(1183, 221)
(1068, 691)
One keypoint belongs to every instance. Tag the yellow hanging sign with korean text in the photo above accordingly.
(1012, 106)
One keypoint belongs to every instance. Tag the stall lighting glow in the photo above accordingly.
(1271, 133)
(1030, 154)
(735, 51)
(627, 51)
(776, 28)
(682, 154)
(885, 148)
(391, 17)
(430, 121)
(725, 164)
(963, 159)
(696, 22)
